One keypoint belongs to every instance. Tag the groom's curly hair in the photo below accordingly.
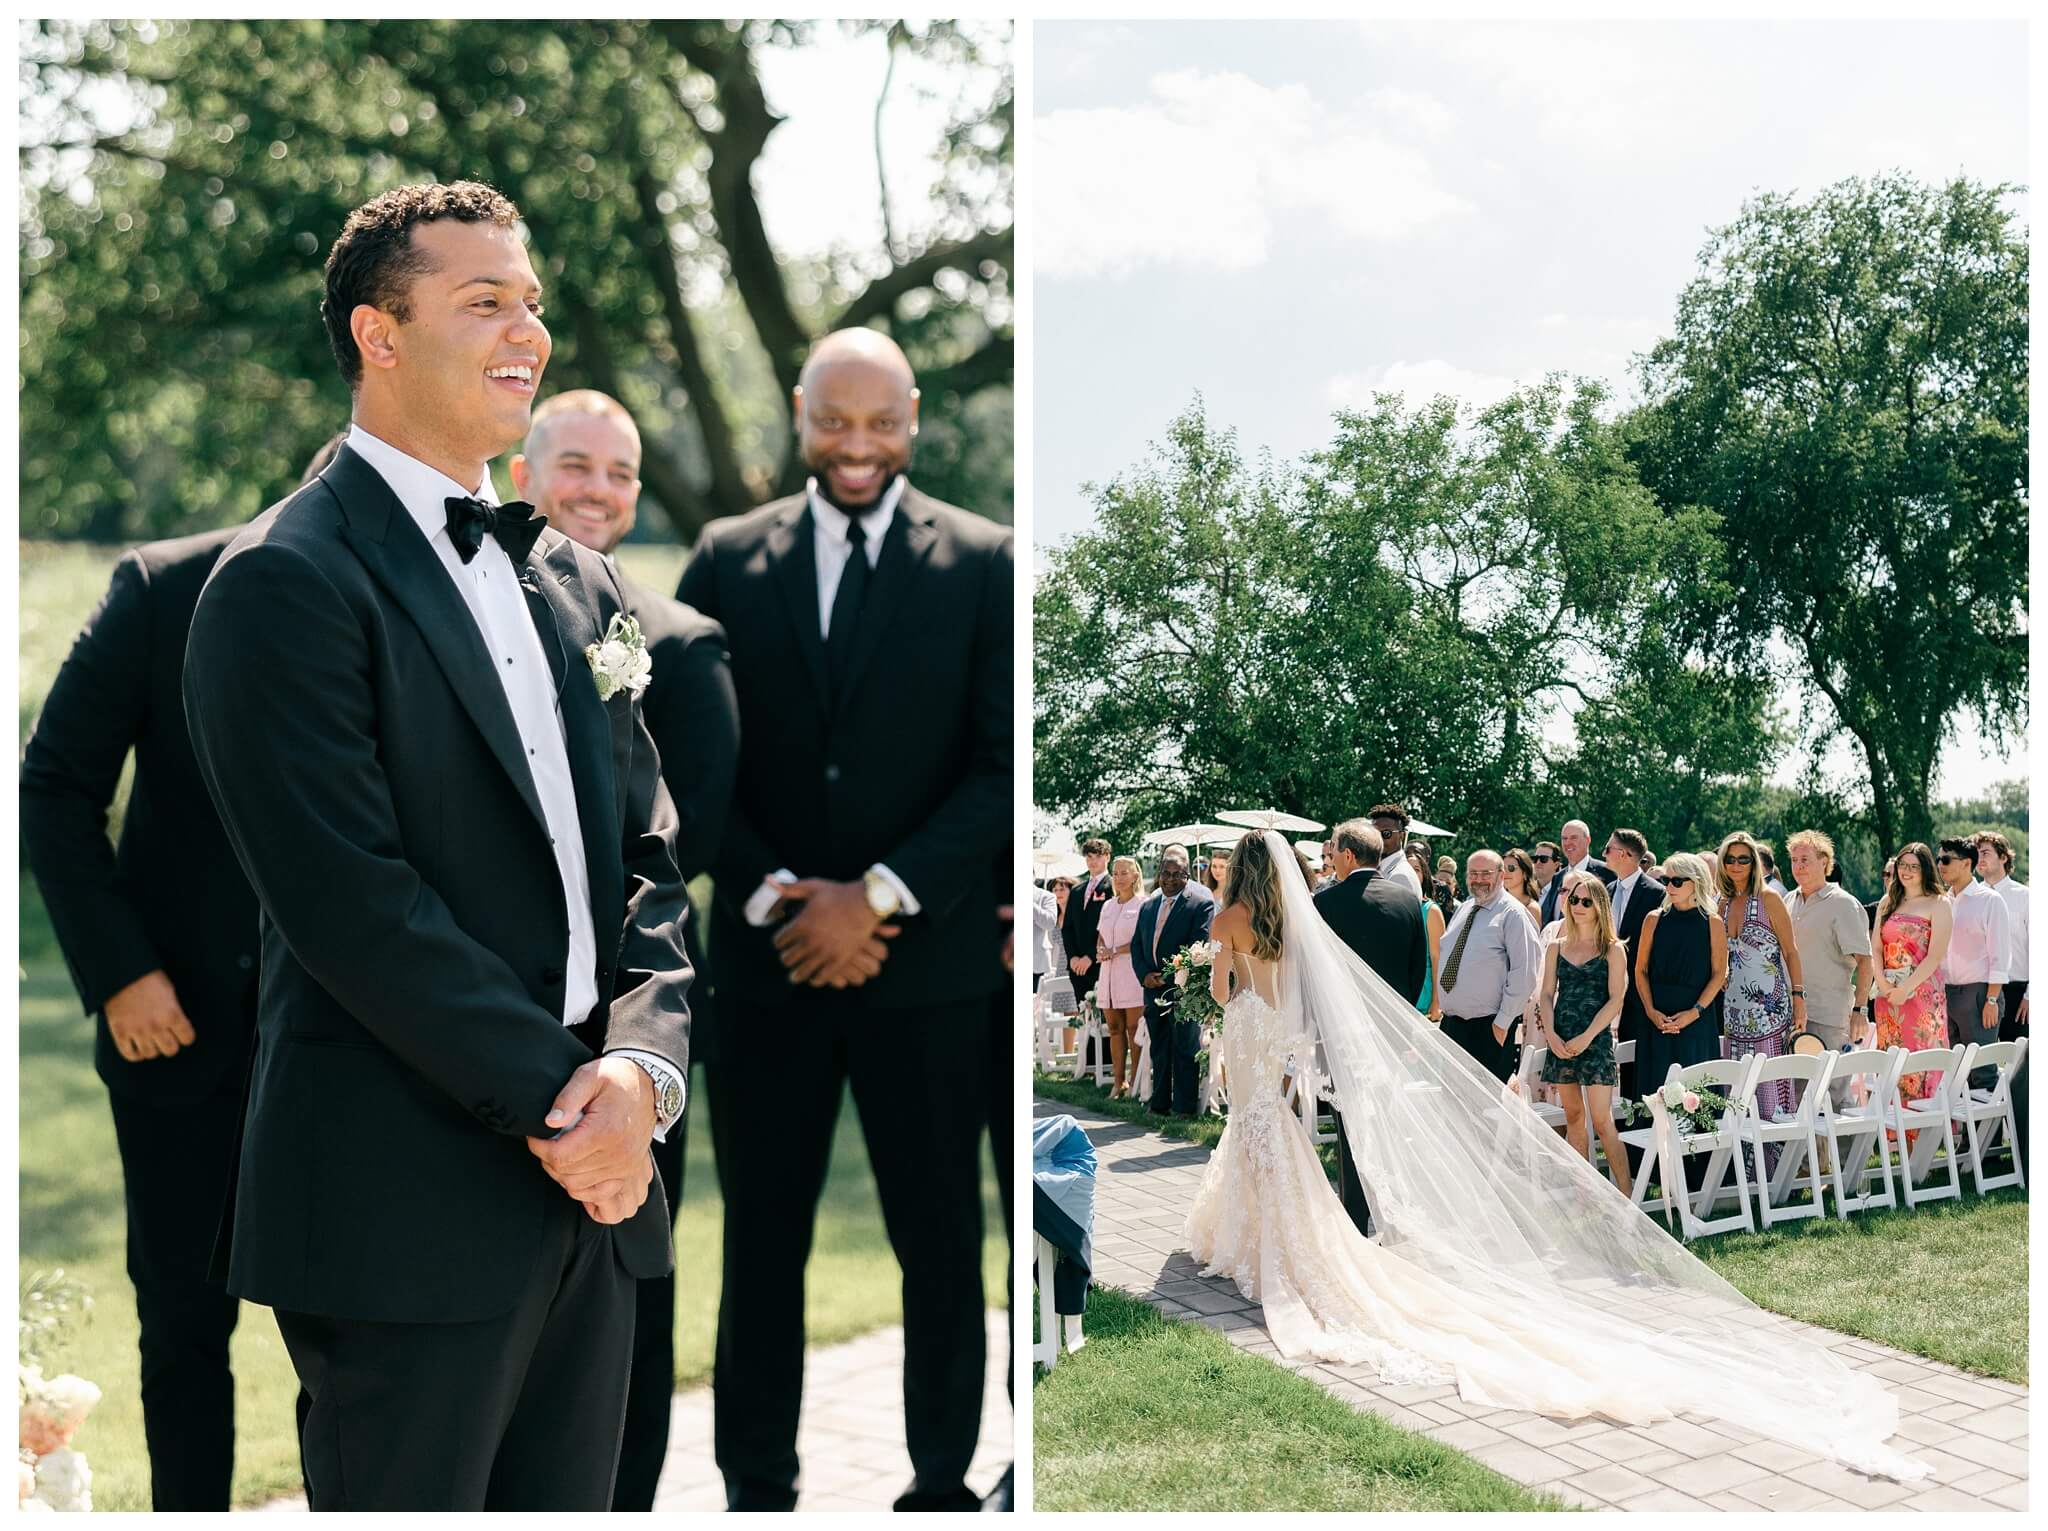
(374, 261)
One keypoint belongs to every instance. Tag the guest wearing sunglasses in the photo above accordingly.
(1766, 998)
(1979, 952)
(1679, 973)
(1908, 1000)
(1585, 976)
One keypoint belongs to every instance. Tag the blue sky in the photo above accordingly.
(1287, 216)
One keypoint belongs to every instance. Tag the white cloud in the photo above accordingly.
(1416, 110)
(1418, 382)
(1200, 172)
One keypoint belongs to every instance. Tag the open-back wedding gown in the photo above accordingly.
(1501, 1261)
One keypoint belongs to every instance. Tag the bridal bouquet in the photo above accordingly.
(1187, 979)
(49, 1474)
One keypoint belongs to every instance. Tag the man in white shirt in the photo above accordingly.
(1489, 967)
(1769, 867)
(1577, 841)
(1994, 865)
(1391, 820)
(1974, 972)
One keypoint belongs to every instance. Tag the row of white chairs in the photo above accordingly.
(1872, 1133)
(1067, 1041)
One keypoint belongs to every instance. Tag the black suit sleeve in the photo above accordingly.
(947, 857)
(743, 858)
(283, 714)
(1141, 942)
(95, 713)
(695, 723)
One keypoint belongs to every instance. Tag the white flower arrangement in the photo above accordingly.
(621, 661)
(52, 1476)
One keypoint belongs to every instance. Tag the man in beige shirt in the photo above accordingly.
(1833, 937)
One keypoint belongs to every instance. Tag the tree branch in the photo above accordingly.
(990, 365)
(878, 299)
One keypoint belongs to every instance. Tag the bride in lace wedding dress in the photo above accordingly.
(1501, 1260)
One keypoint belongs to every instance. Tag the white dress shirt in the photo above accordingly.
(832, 545)
(1977, 938)
(489, 586)
(2018, 926)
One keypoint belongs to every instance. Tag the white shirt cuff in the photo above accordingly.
(906, 904)
(662, 1069)
(765, 897)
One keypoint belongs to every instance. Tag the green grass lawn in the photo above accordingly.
(1157, 1414)
(70, 1207)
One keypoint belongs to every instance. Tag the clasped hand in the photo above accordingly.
(836, 939)
(604, 1160)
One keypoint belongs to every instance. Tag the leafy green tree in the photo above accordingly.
(182, 182)
(1846, 385)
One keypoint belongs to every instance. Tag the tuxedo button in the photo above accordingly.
(551, 976)
(831, 773)
(245, 963)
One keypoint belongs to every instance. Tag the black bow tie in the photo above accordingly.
(515, 526)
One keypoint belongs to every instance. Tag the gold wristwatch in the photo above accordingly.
(882, 895)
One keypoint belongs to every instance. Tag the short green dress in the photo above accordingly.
(1581, 995)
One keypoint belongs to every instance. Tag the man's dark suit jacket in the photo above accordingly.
(1648, 895)
(1381, 920)
(172, 896)
(355, 737)
(1084, 916)
(907, 765)
(1193, 913)
(1595, 865)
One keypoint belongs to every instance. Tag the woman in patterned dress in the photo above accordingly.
(1908, 1000)
(1585, 979)
(1761, 1007)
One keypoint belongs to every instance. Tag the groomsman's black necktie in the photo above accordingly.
(515, 526)
(846, 603)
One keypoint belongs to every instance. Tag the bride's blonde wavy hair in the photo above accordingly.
(1255, 883)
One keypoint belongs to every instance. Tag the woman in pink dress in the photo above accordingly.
(1907, 1000)
(1117, 991)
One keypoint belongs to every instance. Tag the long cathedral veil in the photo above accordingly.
(1468, 1184)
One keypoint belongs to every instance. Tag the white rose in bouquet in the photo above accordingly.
(64, 1482)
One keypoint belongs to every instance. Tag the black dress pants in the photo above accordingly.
(919, 1085)
(1475, 1035)
(1176, 1077)
(520, 1411)
(651, 1388)
(1350, 1189)
(175, 1163)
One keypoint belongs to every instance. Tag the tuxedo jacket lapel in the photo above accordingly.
(795, 558)
(388, 541)
(909, 539)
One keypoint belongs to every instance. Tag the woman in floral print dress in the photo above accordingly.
(1765, 1000)
(1908, 1000)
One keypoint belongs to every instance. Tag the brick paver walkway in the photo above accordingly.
(1971, 1430)
(850, 1437)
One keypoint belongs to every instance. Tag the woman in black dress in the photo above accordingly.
(1585, 977)
(1680, 971)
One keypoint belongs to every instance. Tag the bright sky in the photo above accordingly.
(1287, 217)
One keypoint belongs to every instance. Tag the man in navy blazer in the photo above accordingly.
(1189, 910)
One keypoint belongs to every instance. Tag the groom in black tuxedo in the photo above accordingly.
(870, 631)
(471, 1018)
(1178, 914)
(1381, 920)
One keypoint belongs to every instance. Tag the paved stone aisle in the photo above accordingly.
(851, 1434)
(1971, 1430)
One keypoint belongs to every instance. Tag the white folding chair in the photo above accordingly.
(1795, 1135)
(1528, 1076)
(1854, 1130)
(1932, 1119)
(1051, 1328)
(1093, 1029)
(1987, 1115)
(1722, 1143)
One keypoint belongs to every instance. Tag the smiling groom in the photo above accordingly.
(471, 1020)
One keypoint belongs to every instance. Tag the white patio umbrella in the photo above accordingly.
(1428, 831)
(1267, 818)
(1313, 849)
(1051, 861)
(1186, 834)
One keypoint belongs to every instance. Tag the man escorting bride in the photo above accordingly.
(1473, 1198)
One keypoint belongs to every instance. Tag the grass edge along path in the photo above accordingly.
(1947, 1280)
(1156, 1413)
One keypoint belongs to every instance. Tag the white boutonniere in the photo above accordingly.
(620, 662)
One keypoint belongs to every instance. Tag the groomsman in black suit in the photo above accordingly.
(581, 470)
(1084, 914)
(1578, 843)
(471, 1020)
(1381, 920)
(1635, 891)
(870, 631)
(1178, 914)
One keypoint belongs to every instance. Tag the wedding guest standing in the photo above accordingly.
(1585, 974)
(1045, 932)
(1994, 865)
(1975, 971)
(1391, 820)
(1871, 909)
(1489, 967)
(1118, 994)
(581, 469)
(1767, 865)
(1833, 940)
(1680, 970)
(1084, 909)
(1577, 853)
(160, 936)
(1218, 869)
(1548, 861)
(1177, 914)
(1908, 999)
(1634, 893)
(1518, 880)
(870, 631)
(1765, 998)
